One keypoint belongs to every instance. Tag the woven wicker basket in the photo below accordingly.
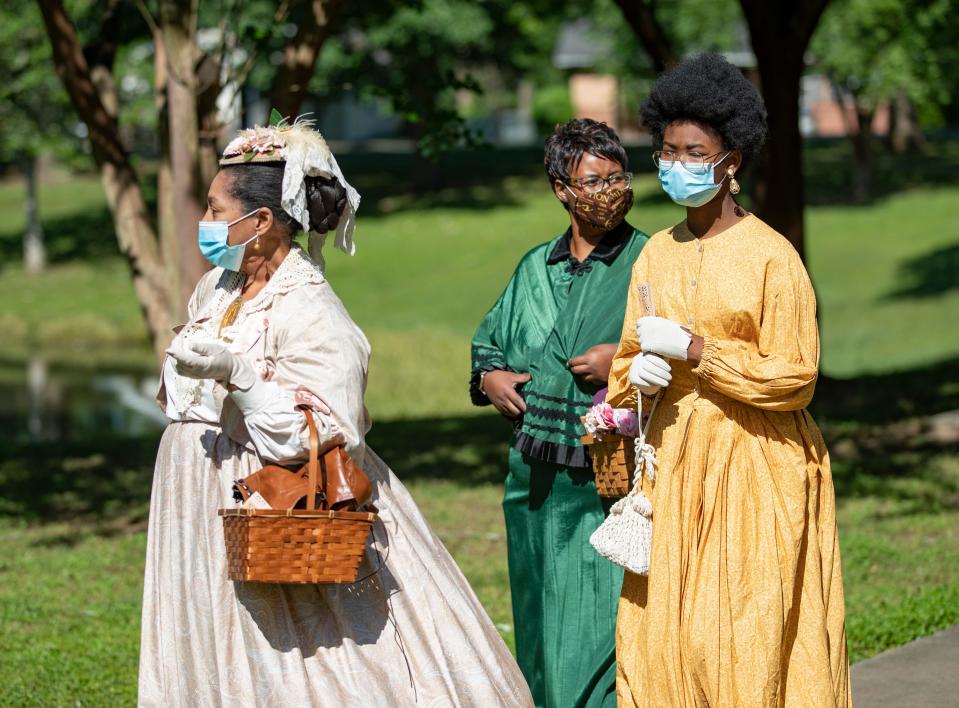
(614, 459)
(311, 545)
(296, 546)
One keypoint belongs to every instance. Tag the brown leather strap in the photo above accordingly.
(314, 460)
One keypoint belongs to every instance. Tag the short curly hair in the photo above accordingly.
(570, 141)
(711, 92)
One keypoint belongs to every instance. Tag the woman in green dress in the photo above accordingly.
(539, 356)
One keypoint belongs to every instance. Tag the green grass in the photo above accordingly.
(71, 513)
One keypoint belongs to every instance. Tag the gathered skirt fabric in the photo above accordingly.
(564, 594)
(743, 605)
(412, 633)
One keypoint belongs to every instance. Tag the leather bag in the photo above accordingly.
(341, 484)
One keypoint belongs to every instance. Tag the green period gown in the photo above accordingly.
(564, 594)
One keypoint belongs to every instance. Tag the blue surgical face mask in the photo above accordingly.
(213, 236)
(688, 188)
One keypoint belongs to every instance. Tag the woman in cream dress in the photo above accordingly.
(267, 333)
(743, 605)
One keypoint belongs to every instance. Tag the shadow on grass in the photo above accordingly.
(877, 447)
(889, 397)
(931, 274)
(77, 480)
(828, 170)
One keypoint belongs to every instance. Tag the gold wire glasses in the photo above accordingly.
(593, 183)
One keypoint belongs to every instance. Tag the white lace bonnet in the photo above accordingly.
(306, 154)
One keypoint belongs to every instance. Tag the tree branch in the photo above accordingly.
(641, 17)
(299, 57)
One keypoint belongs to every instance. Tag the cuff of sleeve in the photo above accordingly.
(476, 376)
(254, 399)
(710, 349)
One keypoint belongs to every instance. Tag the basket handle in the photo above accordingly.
(314, 463)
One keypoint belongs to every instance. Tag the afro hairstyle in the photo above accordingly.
(711, 92)
(570, 141)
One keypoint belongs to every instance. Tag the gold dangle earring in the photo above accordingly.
(256, 244)
(733, 184)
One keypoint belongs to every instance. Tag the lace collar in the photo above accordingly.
(296, 270)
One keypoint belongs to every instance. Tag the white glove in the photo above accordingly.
(662, 336)
(649, 373)
(209, 359)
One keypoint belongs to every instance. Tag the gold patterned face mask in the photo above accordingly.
(605, 210)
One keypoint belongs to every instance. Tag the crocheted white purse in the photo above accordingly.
(626, 536)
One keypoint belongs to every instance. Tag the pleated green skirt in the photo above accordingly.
(564, 594)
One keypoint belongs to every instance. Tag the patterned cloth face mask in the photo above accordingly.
(212, 237)
(605, 210)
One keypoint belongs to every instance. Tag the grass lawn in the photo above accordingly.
(71, 513)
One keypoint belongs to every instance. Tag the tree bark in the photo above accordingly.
(293, 76)
(177, 26)
(123, 192)
(34, 251)
(779, 32)
(863, 164)
(640, 15)
(905, 133)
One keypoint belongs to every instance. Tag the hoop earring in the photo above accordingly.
(733, 184)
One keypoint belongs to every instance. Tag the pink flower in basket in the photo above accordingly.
(603, 418)
(627, 423)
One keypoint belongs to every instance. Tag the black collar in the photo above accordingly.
(605, 252)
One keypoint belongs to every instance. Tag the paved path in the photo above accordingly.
(923, 674)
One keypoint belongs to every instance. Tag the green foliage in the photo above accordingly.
(551, 106)
(35, 112)
(422, 60)
(877, 49)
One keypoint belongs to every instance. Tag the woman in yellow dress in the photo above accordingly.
(743, 604)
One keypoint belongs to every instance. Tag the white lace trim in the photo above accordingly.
(295, 270)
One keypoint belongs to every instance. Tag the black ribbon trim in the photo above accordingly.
(548, 429)
(553, 453)
(557, 399)
(551, 413)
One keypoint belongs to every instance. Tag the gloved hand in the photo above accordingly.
(662, 336)
(649, 373)
(209, 359)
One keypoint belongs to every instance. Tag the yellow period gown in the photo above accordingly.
(743, 605)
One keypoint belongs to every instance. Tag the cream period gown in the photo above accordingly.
(743, 605)
(412, 634)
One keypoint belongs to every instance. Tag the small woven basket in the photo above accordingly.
(614, 459)
(295, 546)
(310, 545)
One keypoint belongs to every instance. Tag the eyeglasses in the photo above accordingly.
(593, 184)
(697, 164)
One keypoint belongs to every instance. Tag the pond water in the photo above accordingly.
(39, 402)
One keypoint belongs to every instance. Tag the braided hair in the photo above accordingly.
(260, 184)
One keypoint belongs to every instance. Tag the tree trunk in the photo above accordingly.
(34, 251)
(779, 32)
(905, 133)
(640, 15)
(863, 164)
(123, 192)
(177, 24)
(170, 245)
(293, 76)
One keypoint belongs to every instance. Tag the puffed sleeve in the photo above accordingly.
(621, 393)
(321, 360)
(778, 372)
